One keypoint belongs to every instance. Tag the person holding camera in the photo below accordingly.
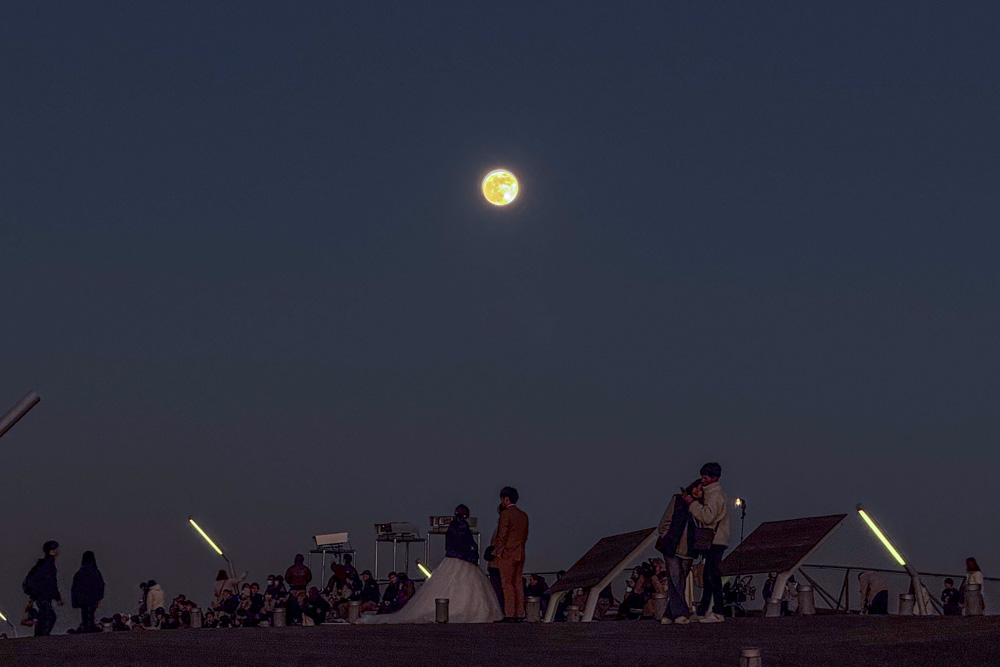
(638, 590)
(711, 516)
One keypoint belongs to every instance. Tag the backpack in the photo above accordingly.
(30, 584)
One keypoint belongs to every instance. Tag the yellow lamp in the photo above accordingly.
(881, 536)
(212, 544)
(205, 535)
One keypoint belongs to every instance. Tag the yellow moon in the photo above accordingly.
(500, 187)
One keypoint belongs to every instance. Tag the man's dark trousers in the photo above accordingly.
(712, 593)
(46, 618)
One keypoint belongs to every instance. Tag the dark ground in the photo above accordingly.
(818, 640)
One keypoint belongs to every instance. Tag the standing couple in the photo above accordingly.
(695, 523)
(471, 598)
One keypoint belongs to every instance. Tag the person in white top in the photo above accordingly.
(973, 575)
(874, 593)
(711, 513)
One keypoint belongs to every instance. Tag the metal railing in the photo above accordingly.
(843, 599)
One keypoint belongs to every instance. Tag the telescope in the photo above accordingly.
(330, 540)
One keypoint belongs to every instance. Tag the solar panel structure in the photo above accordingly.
(777, 546)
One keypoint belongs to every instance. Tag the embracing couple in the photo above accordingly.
(695, 523)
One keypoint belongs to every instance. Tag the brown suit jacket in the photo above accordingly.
(512, 533)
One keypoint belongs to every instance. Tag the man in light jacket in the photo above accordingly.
(711, 511)
(155, 597)
(874, 592)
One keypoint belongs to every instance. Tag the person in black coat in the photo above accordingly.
(459, 542)
(369, 590)
(389, 602)
(42, 587)
(315, 607)
(88, 591)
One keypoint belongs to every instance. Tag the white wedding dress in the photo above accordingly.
(470, 597)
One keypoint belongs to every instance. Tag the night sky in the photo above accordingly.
(245, 261)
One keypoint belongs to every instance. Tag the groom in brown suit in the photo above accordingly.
(508, 547)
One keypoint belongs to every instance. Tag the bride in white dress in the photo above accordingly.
(470, 595)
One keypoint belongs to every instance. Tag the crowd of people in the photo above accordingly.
(235, 602)
(695, 525)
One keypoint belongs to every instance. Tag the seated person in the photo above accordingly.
(176, 604)
(772, 579)
(341, 598)
(657, 584)
(635, 595)
(407, 589)
(230, 604)
(605, 601)
(349, 570)
(275, 586)
(210, 620)
(389, 602)
(171, 622)
(315, 607)
(354, 582)
(537, 588)
(370, 594)
(252, 607)
(790, 599)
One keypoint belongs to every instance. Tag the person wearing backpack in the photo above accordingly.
(42, 586)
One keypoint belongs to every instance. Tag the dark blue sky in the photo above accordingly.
(246, 264)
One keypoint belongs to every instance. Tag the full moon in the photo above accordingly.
(500, 187)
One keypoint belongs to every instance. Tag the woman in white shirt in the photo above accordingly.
(973, 575)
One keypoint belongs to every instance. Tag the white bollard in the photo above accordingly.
(906, 602)
(751, 657)
(807, 601)
(195, 619)
(279, 617)
(441, 610)
(533, 609)
(773, 608)
(353, 611)
(974, 600)
(572, 614)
